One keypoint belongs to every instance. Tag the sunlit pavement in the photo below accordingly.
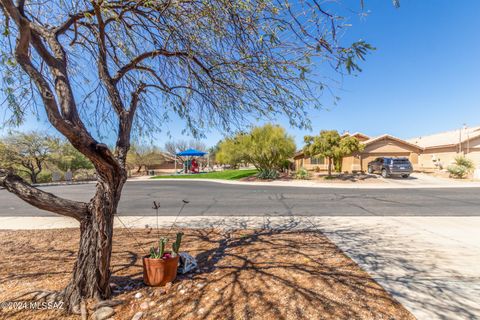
(219, 199)
(429, 264)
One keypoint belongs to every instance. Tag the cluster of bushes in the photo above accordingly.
(461, 168)
(267, 174)
(302, 174)
(268, 148)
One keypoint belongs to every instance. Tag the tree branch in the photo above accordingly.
(21, 6)
(72, 127)
(125, 125)
(72, 20)
(41, 199)
(104, 73)
(160, 52)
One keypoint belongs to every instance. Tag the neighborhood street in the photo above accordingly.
(216, 199)
(420, 244)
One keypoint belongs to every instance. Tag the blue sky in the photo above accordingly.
(423, 78)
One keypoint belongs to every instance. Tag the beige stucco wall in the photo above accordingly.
(347, 163)
(474, 155)
(445, 156)
(388, 148)
(472, 144)
(306, 163)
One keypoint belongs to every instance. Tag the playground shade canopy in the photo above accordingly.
(191, 153)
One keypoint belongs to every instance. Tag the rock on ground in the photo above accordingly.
(138, 315)
(103, 313)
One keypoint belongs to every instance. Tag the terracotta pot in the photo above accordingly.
(158, 272)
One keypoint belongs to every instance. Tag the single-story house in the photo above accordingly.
(382, 146)
(425, 153)
(440, 150)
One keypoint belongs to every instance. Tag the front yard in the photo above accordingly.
(243, 274)
(222, 175)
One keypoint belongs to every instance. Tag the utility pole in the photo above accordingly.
(460, 140)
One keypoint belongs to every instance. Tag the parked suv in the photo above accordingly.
(391, 167)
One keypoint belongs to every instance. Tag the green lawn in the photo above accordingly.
(224, 175)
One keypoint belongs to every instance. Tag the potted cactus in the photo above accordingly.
(160, 266)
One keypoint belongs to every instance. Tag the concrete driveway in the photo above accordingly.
(422, 179)
(430, 265)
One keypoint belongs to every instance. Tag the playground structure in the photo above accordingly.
(190, 165)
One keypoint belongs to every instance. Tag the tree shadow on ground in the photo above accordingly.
(351, 177)
(276, 273)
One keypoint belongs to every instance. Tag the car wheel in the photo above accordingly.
(384, 173)
(405, 176)
(370, 170)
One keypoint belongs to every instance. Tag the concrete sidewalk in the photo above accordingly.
(429, 264)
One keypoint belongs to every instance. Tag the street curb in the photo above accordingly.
(305, 184)
(48, 184)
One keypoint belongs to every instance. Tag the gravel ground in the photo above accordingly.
(243, 274)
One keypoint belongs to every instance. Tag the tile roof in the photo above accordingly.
(355, 134)
(383, 136)
(447, 138)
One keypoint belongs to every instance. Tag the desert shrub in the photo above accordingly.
(464, 162)
(302, 174)
(267, 174)
(267, 148)
(84, 174)
(317, 169)
(285, 165)
(461, 168)
(57, 175)
(44, 177)
(457, 171)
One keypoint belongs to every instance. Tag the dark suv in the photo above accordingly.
(391, 167)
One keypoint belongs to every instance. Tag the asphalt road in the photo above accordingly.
(214, 199)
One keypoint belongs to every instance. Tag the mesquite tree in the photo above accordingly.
(28, 153)
(131, 64)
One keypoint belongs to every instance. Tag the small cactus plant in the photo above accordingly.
(176, 244)
(159, 252)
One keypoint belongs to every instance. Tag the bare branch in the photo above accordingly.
(71, 21)
(41, 199)
(160, 52)
(21, 6)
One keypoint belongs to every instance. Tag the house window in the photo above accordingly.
(317, 160)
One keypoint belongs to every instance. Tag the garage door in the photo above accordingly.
(372, 156)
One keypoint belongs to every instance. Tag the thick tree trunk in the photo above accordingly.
(91, 273)
(33, 177)
(329, 167)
